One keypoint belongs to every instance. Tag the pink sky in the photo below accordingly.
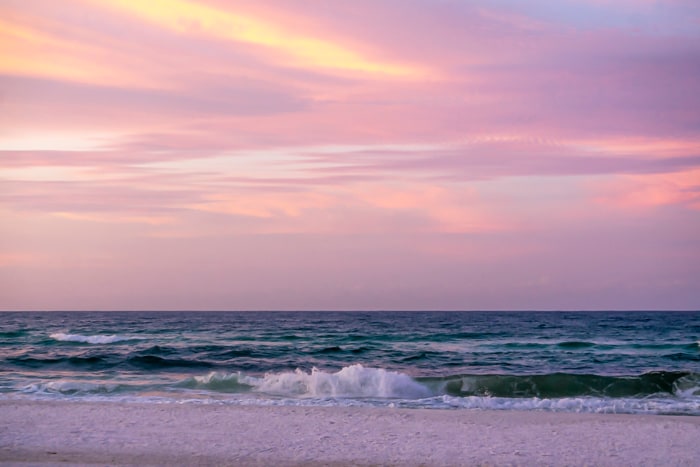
(372, 154)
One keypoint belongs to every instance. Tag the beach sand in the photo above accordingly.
(68, 433)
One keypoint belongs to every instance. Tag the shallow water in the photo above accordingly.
(633, 362)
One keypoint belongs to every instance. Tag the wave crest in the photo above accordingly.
(565, 385)
(353, 381)
(96, 339)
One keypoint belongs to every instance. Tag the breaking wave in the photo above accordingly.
(561, 385)
(357, 381)
(356, 385)
(353, 381)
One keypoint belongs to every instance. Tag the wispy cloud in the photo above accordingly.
(440, 152)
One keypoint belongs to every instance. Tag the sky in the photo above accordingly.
(359, 155)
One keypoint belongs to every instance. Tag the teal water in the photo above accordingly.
(631, 362)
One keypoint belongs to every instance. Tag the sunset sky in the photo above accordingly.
(364, 154)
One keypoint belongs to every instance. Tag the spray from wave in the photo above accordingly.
(353, 381)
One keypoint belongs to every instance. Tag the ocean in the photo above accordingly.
(602, 362)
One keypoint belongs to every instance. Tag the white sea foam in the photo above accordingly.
(687, 387)
(351, 381)
(354, 381)
(577, 404)
(69, 387)
(96, 339)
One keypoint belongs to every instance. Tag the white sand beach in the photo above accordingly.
(65, 433)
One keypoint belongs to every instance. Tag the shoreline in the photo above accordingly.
(70, 433)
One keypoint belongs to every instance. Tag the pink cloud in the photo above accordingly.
(456, 155)
(634, 192)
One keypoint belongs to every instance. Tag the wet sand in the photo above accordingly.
(69, 433)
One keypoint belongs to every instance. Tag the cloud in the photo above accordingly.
(59, 104)
(447, 153)
(653, 191)
(201, 19)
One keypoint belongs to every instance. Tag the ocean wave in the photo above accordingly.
(219, 382)
(356, 385)
(353, 381)
(357, 381)
(336, 349)
(684, 356)
(583, 345)
(94, 339)
(90, 361)
(575, 344)
(154, 362)
(565, 385)
(688, 386)
(12, 334)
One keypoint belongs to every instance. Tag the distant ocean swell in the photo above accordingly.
(94, 352)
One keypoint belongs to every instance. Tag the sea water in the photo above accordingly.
(623, 362)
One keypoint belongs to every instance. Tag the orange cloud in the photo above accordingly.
(195, 18)
(30, 51)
